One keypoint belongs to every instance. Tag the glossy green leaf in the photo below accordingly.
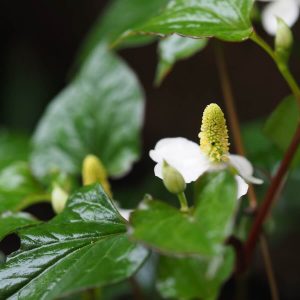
(282, 124)
(174, 48)
(193, 278)
(10, 222)
(18, 188)
(119, 17)
(223, 19)
(100, 113)
(13, 147)
(202, 231)
(85, 246)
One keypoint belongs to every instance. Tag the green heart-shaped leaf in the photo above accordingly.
(100, 112)
(223, 19)
(202, 231)
(85, 246)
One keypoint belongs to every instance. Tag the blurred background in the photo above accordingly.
(40, 41)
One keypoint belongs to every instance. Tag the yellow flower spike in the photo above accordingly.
(93, 171)
(214, 134)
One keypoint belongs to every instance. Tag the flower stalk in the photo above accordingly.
(183, 202)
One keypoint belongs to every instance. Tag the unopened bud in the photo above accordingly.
(58, 199)
(283, 41)
(94, 171)
(172, 179)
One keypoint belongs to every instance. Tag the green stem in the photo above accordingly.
(183, 202)
(282, 66)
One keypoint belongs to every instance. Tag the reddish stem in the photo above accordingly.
(271, 194)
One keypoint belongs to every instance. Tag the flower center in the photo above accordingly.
(214, 134)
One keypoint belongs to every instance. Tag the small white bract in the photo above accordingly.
(192, 160)
(287, 10)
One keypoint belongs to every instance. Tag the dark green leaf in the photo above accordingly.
(13, 147)
(119, 17)
(193, 278)
(174, 48)
(202, 231)
(223, 19)
(85, 246)
(100, 113)
(18, 188)
(282, 124)
(10, 222)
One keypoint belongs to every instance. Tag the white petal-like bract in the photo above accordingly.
(188, 159)
(242, 186)
(288, 10)
(183, 155)
(244, 168)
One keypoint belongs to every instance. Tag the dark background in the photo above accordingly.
(40, 40)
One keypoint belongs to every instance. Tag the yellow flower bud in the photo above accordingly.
(172, 179)
(214, 134)
(93, 171)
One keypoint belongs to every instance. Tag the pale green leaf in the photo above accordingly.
(100, 112)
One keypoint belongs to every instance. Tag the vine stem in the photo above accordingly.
(282, 67)
(234, 125)
(136, 289)
(271, 194)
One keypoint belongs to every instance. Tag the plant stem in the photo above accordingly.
(233, 118)
(271, 195)
(136, 289)
(183, 202)
(282, 67)
(268, 266)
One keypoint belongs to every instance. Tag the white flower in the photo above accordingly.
(191, 160)
(187, 157)
(287, 10)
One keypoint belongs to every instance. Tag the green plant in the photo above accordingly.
(90, 133)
